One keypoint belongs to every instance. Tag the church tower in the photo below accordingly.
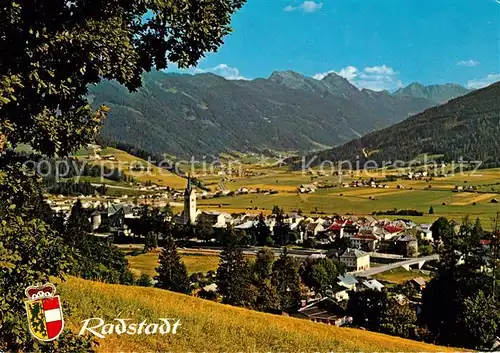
(189, 204)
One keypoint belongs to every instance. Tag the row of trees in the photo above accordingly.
(155, 222)
(70, 188)
(53, 169)
(266, 284)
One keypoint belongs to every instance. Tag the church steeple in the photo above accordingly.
(188, 187)
(189, 203)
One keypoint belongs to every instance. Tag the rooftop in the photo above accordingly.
(355, 253)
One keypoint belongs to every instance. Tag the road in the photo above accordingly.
(215, 250)
(376, 270)
(303, 253)
(300, 253)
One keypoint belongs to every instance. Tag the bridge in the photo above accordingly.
(420, 261)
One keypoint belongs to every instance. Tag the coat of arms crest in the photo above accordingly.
(45, 317)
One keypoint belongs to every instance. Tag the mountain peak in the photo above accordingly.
(294, 80)
(286, 73)
(339, 84)
(437, 93)
(333, 76)
(450, 128)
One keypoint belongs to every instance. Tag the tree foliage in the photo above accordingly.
(30, 252)
(172, 273)
(459, 303)
(321, 274)
(399, 319)
(233, 274)
(267, 296)
(286, 278)
(54, 50)
(367, 308)
(95, 258)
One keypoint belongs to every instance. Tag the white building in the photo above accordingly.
(355, 260)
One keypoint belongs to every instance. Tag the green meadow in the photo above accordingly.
(417, 194)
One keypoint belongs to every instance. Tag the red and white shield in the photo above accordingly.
(45, 318)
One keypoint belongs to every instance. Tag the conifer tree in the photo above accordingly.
(233, 274)
(286, 278)
(263, 233)
(172, 273)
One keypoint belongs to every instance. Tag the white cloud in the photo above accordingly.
(307, 6)
(322, 75)
(483, 82)
(468, 63)
(349, 72)
(381, 70)
(224, 70)
(376, 78)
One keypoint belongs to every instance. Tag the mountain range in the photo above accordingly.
(438, 93)
(467, 127)
(205, 114)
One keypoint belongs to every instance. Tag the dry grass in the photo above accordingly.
(367, 192)
(195, 262)
(474, 198)
(400, 275)
(212, 327)
(156, 175)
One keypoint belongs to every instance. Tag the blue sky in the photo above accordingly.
(376, 44)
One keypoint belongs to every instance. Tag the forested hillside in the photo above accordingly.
(206, 114)
(467, 127)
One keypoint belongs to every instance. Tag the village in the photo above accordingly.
(359, 243)
(371, 247)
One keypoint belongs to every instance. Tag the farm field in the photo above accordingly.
(414, 194)
(400, 275)
(419, 195)
(211, 326)
(443, 203)
(195, 262)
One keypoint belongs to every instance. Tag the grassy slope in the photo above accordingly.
(209, 326)
(158, 176)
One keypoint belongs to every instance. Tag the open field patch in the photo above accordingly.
(474, 198)
(400, 275)
(374, 191)
(195, 262)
